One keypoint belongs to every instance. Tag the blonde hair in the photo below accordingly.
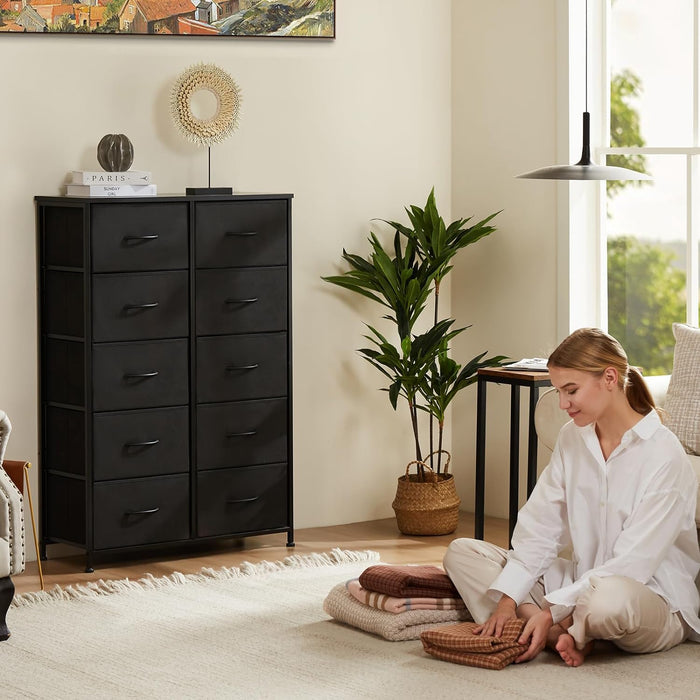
(590, 350)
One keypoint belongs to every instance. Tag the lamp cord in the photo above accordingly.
(586, 67)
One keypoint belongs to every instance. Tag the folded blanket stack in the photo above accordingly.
(458, 644)
(397, 602)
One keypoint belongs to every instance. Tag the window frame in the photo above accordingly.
(582, 243)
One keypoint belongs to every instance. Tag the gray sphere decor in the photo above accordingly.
(115, 153)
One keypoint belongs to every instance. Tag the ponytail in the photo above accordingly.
(637, 392)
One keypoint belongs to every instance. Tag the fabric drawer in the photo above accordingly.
(241, 433)
(140, 306)
(241, 300)
(232, 234)
(242, 500)
(231, 368)
(140, 375)
(141, 511)
(138, 236)
(141, 443)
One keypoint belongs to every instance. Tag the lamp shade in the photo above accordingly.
(590, 171)
(585, 169)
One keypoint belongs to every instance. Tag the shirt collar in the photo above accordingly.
(644, 428)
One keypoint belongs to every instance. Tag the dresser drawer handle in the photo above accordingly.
(252, 300)
(140, 239)
(241, 368)
(140, 307)
(141, 375)
(148, 511)
(242, 234)
(145, 443)
(243, 500)
(247, 433)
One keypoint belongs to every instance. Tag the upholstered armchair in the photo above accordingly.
(11, 531)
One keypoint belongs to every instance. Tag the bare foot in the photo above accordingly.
(569, 653)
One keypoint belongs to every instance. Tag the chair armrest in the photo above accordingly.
(658, 388)
(549, 418)
(15, 469)
(11, 511)
(12, 522)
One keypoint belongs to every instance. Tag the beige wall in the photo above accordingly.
(356, 128)
(456, 94)
(504, 107)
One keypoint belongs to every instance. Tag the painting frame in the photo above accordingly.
(260, 19)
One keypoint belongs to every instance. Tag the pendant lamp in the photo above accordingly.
(585, 169)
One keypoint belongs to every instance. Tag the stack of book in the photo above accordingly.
(130, 183)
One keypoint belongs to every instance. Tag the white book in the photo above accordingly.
(530, 364)
(101, 177)
(111, 190)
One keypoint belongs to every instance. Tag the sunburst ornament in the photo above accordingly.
(212, 128)
(219, 126)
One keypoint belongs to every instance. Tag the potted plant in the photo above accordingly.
(418, 367)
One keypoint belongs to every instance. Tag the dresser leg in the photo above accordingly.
(290, 539)
(7, 593)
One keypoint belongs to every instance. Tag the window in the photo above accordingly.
(650, 230)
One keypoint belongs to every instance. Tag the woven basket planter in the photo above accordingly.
(426, 507)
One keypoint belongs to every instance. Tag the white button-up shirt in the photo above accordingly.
(630, 515)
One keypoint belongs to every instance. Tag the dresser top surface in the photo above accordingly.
(240, 196)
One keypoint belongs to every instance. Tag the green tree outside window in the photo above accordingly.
(646, 293)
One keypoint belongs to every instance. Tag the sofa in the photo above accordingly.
(11, 531)
(549, 419)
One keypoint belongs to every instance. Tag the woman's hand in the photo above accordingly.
(535, 631)
(505, 610)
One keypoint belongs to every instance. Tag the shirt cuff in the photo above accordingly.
(567, 596)
(559, 612)
(514, 580)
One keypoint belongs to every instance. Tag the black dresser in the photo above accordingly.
(165, 370)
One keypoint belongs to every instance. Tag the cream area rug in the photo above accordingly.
(259, 631)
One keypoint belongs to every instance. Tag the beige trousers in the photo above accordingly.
(614, 608)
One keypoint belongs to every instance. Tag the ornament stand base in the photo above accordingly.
(208, 190)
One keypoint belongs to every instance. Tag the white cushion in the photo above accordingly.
(683, 400)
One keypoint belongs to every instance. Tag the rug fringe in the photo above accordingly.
(150, 582)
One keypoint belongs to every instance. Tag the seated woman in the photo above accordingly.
(620, 492)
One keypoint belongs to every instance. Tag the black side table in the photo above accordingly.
(516, 379)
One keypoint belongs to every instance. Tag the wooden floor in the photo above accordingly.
(379, 535)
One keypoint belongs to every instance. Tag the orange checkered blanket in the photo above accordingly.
(458, 644)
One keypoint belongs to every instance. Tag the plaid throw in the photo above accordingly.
(399, 605)
(458, 644)
(408, 581)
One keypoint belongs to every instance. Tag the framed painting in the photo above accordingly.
(311, 19)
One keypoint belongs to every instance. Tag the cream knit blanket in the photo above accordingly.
(396, 627)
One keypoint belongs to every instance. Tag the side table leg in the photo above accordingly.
(514, 458)
(480, 459)
(532, 442)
